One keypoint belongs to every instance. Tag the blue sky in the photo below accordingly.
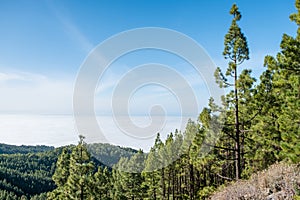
(43, 44)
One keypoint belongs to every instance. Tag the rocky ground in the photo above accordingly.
(280, 181)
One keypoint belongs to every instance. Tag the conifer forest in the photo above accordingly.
(230, 149)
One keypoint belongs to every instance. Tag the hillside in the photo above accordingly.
(109, 154)
(23, 149)
(279, 181)
(27, 170)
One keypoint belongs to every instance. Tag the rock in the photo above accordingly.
(281, 195)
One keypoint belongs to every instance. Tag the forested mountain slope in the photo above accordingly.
(27, 174)
(13, 149)
(27, 170)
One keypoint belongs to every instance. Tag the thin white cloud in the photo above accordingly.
(8, 77)
(21, 76)
(70, 28)
(35, 93)
(75, 33)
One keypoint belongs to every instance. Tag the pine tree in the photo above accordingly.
(285, 74)
(135, 179)
(209, 154)
(118, 176)
(101, 184)
(61, 175)
(81, 169)
(265, 147)
(236, 50)
(129, 172)
(191, 131)
(152, 171)
(289, 66)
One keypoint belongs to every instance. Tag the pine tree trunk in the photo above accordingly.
(237, 128)
(173, 183)
(192, 182)
(154, 190)
(163, 183)
(81, 192)
(169, 183)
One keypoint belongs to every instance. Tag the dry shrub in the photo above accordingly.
(280, 181)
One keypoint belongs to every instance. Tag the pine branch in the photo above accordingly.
(223, 177)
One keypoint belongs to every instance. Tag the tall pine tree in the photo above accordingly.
(61, 175)
(236, 50)
(285, 78)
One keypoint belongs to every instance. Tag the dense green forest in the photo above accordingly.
(26, 171)
(26, 174)
(257, 125)
(11, 149)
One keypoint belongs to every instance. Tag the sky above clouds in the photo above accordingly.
(44, 43)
